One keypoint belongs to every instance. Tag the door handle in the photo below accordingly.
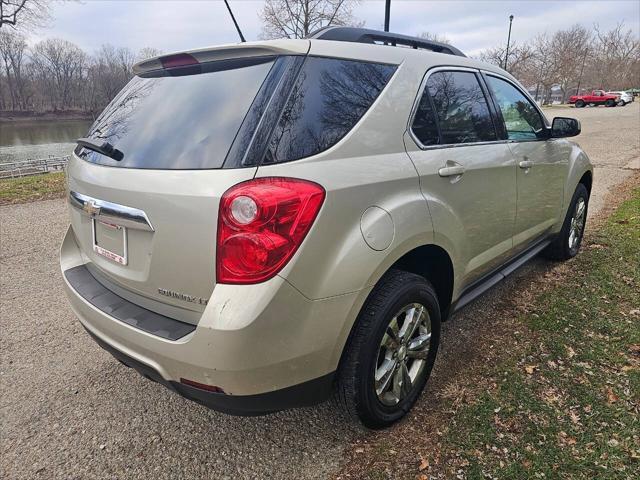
(525, 164)
(451, 171)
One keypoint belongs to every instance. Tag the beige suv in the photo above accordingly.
(263, 225)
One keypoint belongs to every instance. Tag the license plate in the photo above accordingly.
(110, 241)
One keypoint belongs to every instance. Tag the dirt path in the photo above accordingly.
(69, 410)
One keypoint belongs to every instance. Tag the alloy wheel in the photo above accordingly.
(402, 354)
(577, 223)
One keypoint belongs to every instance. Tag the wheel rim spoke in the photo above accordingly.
(384, 374)
(579, 210)
(419, 343)
(411, 321)
(406, 380)
(397, 385)
(391, 337)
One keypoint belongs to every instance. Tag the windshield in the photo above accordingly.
(186, 121)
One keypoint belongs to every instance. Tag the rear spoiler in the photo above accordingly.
(223, 52)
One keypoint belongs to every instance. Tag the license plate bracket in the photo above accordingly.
(110, 241)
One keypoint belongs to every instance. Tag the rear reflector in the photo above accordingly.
(201, 386)
(178, 60)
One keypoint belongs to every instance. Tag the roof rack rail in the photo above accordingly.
(364, 35)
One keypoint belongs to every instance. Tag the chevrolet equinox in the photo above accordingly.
(261, 226)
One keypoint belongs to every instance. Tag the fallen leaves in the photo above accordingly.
(530, 369)
(611, 396)
(575, 418)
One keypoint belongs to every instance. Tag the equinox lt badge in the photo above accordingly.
(182, 296)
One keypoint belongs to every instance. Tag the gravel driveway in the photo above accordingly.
(69, 410)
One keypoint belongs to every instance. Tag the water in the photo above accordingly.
(24, 140)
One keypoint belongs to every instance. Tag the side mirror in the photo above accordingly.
(565, 127)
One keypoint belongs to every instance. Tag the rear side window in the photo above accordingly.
(327, 100)
(187, 121)
(424, 123)
(461, 108)
(522, 120)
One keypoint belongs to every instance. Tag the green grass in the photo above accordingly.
(29, 189)
(568, 405)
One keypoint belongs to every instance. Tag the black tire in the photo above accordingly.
(622, 103)
(580, 103)
(610, 103)
(355, 390)
(560, 248)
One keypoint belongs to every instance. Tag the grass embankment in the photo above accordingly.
(563, 401)
(569, 405)
(29, 189)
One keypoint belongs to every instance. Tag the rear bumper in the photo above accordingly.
(266, 346)
(305, 394)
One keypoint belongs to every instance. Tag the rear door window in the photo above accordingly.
(461, 108)
(424, 125)
(522, 120)
(327, 100)
(187, 121)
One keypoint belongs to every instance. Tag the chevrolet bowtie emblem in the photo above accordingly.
(91, 208)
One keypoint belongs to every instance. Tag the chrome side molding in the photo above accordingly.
(110, 212)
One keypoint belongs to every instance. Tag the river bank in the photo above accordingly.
(9, 116)
(36, 138)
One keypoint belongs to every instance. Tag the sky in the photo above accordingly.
(173, 25)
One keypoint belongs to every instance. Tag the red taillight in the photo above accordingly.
(261, 224)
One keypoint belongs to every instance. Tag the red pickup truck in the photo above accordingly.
(597, 97)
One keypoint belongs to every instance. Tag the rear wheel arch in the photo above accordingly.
(430, 261)
(587, 180)
(433, 263)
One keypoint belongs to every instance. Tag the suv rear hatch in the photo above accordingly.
(146, 219)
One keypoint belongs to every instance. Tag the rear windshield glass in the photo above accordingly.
(328, 99)
(179, 122)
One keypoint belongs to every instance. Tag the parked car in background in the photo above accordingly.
(262, 225)
(625, 97)
(596, 97)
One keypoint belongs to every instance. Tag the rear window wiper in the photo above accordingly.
(105, 148)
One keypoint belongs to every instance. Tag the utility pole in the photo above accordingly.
(387, 14)
(506, 57)
(234, 21)
(584, 59)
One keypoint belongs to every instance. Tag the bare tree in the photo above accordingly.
(435, 37)
(521, 61)
(567, 48)
(108, 72)
(12, 52)
(59, 66)
(24, 14)
(147, 52)
(298, 18)
(614, 59)
(574, 57)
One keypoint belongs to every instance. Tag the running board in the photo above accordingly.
(494, 278)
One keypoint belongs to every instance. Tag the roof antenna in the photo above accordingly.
(234, 21)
